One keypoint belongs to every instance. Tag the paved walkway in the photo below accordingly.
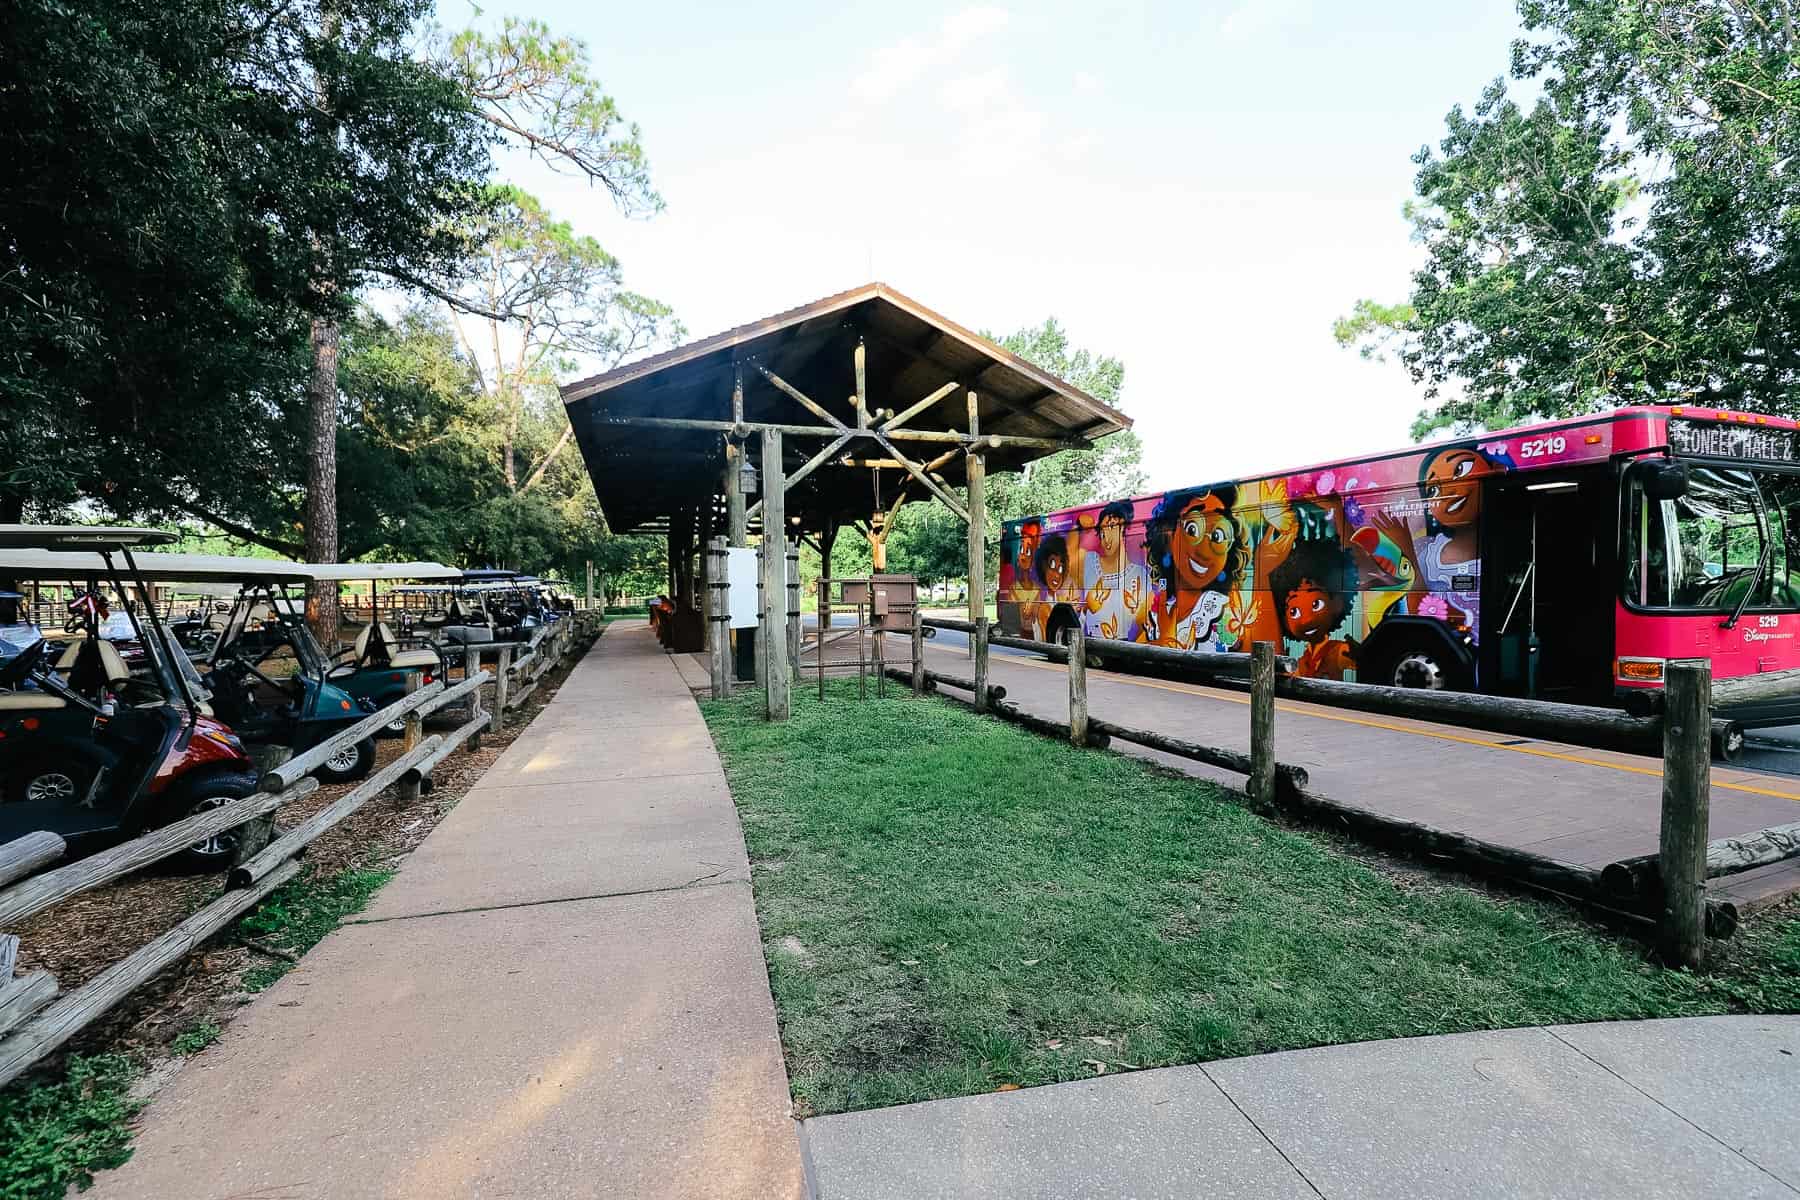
(562, 994)
(1681, 1109)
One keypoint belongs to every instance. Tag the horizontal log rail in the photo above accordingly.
(35, 1019)
(452, 742)
(1577, 724)
(1287, 775)
(289, 843)
(301, 765)
(1640, 877)
(53, 887)
(72, 1013)
(1752, 689)
(23, 855)
(943, 679)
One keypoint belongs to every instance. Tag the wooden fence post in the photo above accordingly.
(980, 642)
(918, 649)
(793, 606)
(408, 791)
(1262, 724)
(258, 832)
(502, 668)
(1078, 706)
(1686, 800)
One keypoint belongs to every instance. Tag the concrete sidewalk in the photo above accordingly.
(1700, 1107)
(562, 994)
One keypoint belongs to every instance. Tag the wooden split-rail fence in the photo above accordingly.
(1667, 888)
(36, 1016)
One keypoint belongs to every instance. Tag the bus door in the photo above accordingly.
(1547, 591)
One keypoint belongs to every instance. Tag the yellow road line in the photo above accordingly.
(1535, 751)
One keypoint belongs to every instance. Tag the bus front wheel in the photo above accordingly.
(1419, 669)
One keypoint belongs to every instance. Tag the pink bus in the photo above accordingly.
(1567, 560)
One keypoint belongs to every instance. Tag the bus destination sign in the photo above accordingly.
(1717, 439)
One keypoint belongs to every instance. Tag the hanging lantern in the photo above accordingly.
(747, 481)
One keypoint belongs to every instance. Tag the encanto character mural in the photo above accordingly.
(1312, 560)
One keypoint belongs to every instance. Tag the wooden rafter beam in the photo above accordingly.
(931, 485)
(812, 464)
(988, 441)
(801, 398)
(901, 418)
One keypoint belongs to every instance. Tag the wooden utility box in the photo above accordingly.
(895, 598)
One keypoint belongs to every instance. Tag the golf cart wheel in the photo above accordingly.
(349, 764)
(394, 728)
(52, 781)
(190, 798)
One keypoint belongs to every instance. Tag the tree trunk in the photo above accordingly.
(321, 477)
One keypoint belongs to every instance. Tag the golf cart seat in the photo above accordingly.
(18, 701)
(93, 663)
(374, 644)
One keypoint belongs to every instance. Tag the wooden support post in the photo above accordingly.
(1686, 800)
(1262, 724)
(408, 791)
(771, 641)
(718, 593)
(502, 669)
(918, 647)
(1078, 708)
(824, 624)
(590, 583)
(977, 470)
(980, 641)
(737, 519)
(827, 540)
(862, 387)
(792, 606)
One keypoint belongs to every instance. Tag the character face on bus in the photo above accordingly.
(1313, 589)
(1030, 534)
(1113, 520)
(1052, 565)
(1195, 543)
(1449, 481)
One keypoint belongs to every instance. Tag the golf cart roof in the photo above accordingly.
(487, 575)
(155, 568)
(80, 537)
(356, 572)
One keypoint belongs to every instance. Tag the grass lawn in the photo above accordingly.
(951, 905)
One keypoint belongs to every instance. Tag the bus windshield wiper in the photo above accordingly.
(1762, 559)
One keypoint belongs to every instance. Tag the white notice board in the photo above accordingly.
(740, 573)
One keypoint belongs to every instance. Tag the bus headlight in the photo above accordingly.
(1639, 670)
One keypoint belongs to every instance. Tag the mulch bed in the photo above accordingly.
(81, 937)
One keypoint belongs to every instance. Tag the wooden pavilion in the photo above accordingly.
(851, 405)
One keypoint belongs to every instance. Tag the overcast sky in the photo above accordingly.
(1196, 188)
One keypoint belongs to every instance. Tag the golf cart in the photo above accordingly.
(267, 673)
(381, 665)
(90, 749)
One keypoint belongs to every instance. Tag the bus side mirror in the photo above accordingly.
(1665, 480)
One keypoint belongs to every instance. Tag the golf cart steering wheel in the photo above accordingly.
(243, 667)
(19, 669)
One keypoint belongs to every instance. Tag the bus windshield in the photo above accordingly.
(1703, 551)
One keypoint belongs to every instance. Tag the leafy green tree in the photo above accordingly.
(564, 303)
(932, 542)
(146, 289)
(1628, 236)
